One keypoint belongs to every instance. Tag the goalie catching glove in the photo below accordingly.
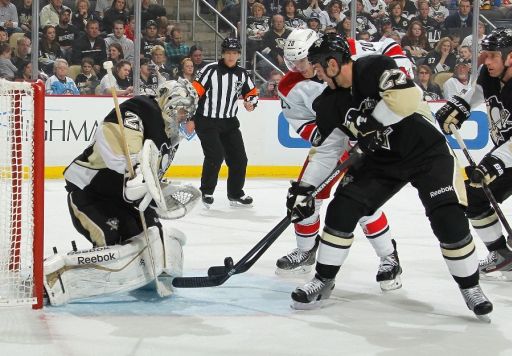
(297, 209)
(365, 128)
(489, 169)
(455, 111)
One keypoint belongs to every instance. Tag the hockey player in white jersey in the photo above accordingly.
(297, 90)
(127, 251)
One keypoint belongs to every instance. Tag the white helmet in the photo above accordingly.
(178, 101)
(297, 45)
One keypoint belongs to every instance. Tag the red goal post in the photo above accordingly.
(22, 142)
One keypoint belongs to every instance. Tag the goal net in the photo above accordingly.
(21, 193)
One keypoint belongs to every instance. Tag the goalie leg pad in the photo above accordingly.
(102, 270)
(173, 241)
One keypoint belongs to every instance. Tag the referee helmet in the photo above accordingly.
(231, 44)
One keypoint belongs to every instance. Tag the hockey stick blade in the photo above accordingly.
(487, 191)
(217, 275)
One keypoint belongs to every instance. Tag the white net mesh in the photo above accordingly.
(16, 193)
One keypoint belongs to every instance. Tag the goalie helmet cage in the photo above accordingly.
(21, 193)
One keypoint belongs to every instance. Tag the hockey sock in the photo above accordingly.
(376, 229)
(488, 228)
(462, 261)
(327, 271)
(307, 230)
(334, 247)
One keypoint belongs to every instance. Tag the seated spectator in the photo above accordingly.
(431, 26)
(159, 60)
(187, 70)
(438, 11)
(395, 36)
(376, 9)
(292, 18)
(465, 55)
(66, 33)
(9, 17)
(119, 37)
(150, 78)
(4, 36)
(399, 22)
(101, 7)
(415, 42)
(150, 11)
(344, 27)
(431, 91)
(22, 52)
(83, 14)
(196, 54)
(150, 39)
(24, 73)
(273, 40)
(333, 15)
(24, 9)
(176, 49)
(60, 83)
(90, 45)
(313, 22)
(364, 22)
(87, 81)
(455, 38)
(329, 29)
(307, 8)
(408, 8)
(163, 26)
(363, 36)
(7, 69)
(129, 28)
(257, 25)
(49, 49)
(117, 12)
(461, 19)
(269, 90)
(115, 53)
(441, 59)
(458, 84)
(49, 14)
(122, 81)
(468, 40)
(384, 27)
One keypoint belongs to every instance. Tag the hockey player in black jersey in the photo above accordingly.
(494, 86)
(402, 146)
(104, 202)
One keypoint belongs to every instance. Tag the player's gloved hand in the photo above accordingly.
(135, 188)
(253, 99)
(297, 210)
(489, 169)
(366, 129)
(455, 111)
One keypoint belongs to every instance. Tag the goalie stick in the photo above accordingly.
(485, 187)
(217, 275)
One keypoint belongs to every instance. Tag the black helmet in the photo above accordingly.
(500, 39)
(331, 45)
(231, 44)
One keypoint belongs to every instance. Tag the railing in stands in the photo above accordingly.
(255, 71)
(215, 29)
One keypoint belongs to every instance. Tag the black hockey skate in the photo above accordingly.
(477, 302)
(244, 200)
(207, 200)
(312, 294)
(389, 271)
(497, 266)
(297, 261)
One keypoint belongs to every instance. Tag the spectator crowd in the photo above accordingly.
(75, 38)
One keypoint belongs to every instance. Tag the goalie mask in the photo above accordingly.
(178, 101)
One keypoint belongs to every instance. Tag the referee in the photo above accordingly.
(219, 85)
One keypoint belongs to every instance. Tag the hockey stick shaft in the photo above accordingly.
(160, 288)
(487, 191)
(219, 274)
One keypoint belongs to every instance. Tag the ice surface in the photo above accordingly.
(250, 313)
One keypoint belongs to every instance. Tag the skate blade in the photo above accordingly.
(235, 204)
(293, 272)
(307, 306)
(391, 284)
(497, 276)
(484, 318)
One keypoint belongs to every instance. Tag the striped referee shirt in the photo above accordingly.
(219, 88)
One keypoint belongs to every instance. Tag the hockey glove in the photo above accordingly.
(297, 209)
(366, 129)
(488, 170)
(253, 99)
(455, 111)
(135, 188)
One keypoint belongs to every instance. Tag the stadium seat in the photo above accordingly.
(440, 78)
(14, 39)
(74, 70)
